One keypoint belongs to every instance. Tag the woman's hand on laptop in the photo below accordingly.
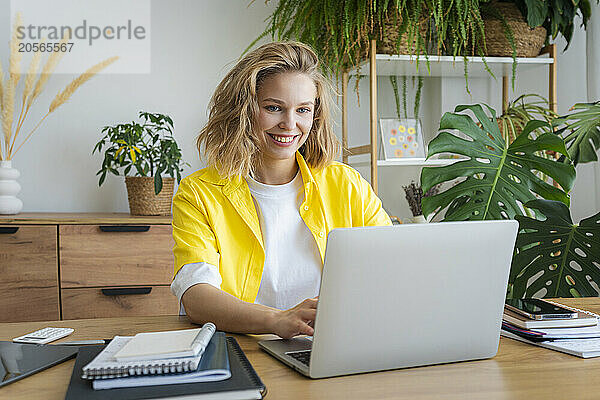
(297, 320)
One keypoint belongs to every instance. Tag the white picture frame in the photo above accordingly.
(401, 138)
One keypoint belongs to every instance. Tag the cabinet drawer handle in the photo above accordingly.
(126, 291)
(125, 228)
(8, 230)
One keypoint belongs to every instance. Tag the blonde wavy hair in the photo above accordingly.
(230, 139)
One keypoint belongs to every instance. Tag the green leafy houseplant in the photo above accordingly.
(498, 177)
(581, 131)
(520, 111)
(560, 258)
(553, 256)
(148, 148)
(340, 31)
(557, 16)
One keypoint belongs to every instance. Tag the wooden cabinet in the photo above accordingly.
(115, 255)
(119, 301)
(28, 273)
(73, 266)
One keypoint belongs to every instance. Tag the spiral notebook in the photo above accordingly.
(214, 366)
(151, 353)
(244, 382)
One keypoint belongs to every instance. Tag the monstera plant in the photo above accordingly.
(500, 180)
(555, 257)
(497, 178)
(581, 131)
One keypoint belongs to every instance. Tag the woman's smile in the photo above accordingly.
(283, 140)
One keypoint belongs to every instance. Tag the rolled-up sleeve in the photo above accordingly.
(193, 274)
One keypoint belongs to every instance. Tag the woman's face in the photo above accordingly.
(287, 104)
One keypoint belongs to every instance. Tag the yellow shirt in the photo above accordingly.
(215, 220)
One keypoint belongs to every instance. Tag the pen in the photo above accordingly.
(84, 342)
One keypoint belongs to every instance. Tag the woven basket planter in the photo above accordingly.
(143, 201)
(528, 41)
(386, 43)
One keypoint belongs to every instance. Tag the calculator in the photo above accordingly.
(43, 336)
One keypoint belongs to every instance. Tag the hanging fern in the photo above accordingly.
(340, 30)
(418, 97)
(394, 83)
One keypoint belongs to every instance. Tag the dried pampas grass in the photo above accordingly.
(14, 63)
(32, 91)
(8, 95)
(1, 89)
(49, 67)
(63, 96)
(32, 73)
(8, 112)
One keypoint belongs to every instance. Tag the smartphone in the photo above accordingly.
(539, 309)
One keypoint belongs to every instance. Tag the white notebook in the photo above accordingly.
(213, 366)
(160, 357)
(584, 348)
(169, 344)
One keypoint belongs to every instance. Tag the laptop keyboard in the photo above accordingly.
(302, 356)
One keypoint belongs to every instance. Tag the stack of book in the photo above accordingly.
(579, 336)
(180, 363)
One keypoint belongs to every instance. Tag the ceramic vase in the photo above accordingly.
(9, 187)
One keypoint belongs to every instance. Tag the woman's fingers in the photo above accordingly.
(308, 314)
(305, 329)
(312, 303)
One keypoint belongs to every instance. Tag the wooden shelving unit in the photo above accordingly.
(439, 66)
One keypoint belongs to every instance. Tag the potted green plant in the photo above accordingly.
(557, 16)
(581, 132)
(340, 31)
(149, 150)
(520, 111)
(553, 256)
(507, 33)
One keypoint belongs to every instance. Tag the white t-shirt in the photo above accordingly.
(293, 266)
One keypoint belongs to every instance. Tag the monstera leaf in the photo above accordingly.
(581, 132)
(497, 179)
(554, 257)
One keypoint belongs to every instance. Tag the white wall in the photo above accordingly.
(194, 43)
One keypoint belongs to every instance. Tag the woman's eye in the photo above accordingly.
(272, 108)
(304, 110)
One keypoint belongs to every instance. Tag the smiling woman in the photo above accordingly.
(285, 119)
(250, 229)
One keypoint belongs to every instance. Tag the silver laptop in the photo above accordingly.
(404, 296)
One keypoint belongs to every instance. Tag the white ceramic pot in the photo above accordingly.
(9, 187)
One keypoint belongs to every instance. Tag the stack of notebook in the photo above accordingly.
(578, 336)
(177, 363)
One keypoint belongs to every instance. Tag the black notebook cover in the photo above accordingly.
(243, 377)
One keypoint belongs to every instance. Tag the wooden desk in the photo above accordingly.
(519, 371)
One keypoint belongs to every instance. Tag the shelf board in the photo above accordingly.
(448, 66)
(405, 162)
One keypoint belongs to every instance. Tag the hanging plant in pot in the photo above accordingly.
(340, 31)
(149, 150)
